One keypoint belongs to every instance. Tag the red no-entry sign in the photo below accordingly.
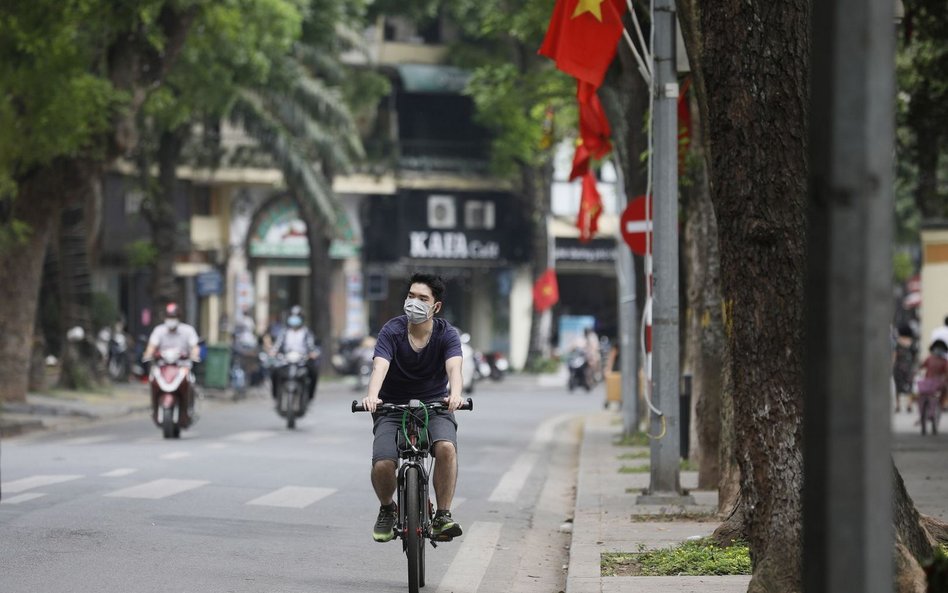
(633, 225)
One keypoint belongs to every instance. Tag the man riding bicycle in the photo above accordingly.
(416, 357)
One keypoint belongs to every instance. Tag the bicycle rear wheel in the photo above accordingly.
(414, 542)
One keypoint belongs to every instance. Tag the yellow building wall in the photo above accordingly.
(934, 277)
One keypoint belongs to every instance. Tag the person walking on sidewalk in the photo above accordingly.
(416, 357)
(904, 356)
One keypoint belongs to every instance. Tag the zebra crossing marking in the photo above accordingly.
(36, 482)
(251, 436)
(158, 488)
(22, 497)
(295, 497)
(118, 473)
(175, 455)
(91, 440)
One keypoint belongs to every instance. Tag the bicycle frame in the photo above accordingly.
(415, 510)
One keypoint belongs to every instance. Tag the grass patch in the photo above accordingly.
(691, 558)
(636, 439)
(685, 465)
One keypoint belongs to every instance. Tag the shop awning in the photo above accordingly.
(432, 78)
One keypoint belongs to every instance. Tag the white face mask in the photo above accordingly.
(171, 324)
(417, 311)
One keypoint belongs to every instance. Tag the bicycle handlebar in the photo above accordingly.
(414, 404)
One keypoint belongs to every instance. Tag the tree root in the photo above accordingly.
(936, 528)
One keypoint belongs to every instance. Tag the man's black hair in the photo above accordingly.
(432, 281)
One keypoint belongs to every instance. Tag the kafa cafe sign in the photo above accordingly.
(451, 245)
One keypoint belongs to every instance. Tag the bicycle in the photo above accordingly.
(415, 511)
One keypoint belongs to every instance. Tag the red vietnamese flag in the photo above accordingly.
(684, 125)
(546, 292)
(582, 37)
(580, 161)
(593, 126)
(590, 207)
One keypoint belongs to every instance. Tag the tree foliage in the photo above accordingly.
(922, 71)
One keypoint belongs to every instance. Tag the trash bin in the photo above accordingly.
(613, 388)
(217, 367)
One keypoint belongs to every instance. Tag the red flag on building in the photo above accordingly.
(590, 207)
(582, 37)
(546, 292)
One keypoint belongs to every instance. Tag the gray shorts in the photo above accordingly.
(441, 427)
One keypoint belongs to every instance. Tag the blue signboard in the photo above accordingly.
(208, 283)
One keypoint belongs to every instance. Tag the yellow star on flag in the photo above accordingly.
(591, 6)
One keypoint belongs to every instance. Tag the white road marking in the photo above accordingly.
(22, 498)
(89, 440)
(295, 497)
(118, 473)
(35, 482)
(511, 483)
(158, 488)
(175, 455)
(472, 559)
(251, 436)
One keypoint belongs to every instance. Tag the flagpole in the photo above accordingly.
(664, 484)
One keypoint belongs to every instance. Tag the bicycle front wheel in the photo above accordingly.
(414, 542)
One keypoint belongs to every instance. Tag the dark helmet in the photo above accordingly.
(171, 310)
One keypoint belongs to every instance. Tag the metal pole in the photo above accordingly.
(848, 490)
(664, 479)
(628, 326)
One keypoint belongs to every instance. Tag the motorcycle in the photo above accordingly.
(355, 358)
(498, 365)
(292, 397)
(172, 398)
(579, 372)
(468, 363)
(113, 346)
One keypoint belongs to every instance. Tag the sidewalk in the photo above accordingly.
(604, 522)
(605, 505)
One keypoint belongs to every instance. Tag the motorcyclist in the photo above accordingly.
(296, 337)
(172, 333)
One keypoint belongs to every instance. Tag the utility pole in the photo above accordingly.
(847, 495)
(665, 485)
(628, 327)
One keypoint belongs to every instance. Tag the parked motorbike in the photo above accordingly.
(292, 397)
(172, 398)
(579, 372)
(113, 346)
(467, 363)
(355, 358)
(498, 365)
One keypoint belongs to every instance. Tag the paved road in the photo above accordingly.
(241, 504)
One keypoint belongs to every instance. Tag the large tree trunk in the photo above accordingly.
(320, 279)
(704, 325)
(535, 206)
(37, 204)
(753, 73)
